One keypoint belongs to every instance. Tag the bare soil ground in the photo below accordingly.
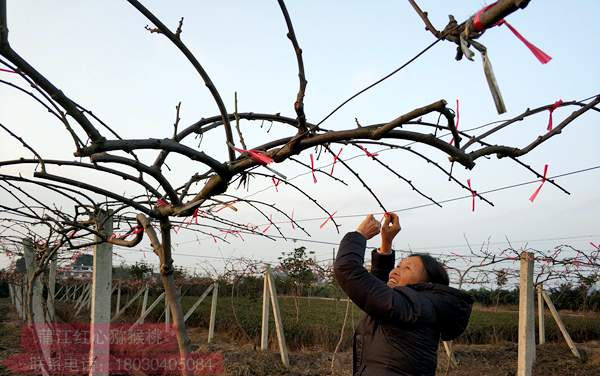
(247, 360)
(475, 360)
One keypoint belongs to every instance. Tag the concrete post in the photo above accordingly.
(264, 333)
(526, 346)
(278, 322)
(213, 312)
(144, 301)
(118, 308)
(101, 291)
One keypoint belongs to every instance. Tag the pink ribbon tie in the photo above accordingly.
(554, 106)
(335, 158)
(537, 191)
(312, 168)
(327, 220)
(256, 155)
(472, 195)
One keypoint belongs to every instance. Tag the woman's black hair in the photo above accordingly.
(435, 270)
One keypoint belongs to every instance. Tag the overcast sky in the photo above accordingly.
(99, 54)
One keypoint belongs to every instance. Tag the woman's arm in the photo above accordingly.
(367, 291)
(382, 264)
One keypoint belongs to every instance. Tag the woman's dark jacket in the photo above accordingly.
(401, 331)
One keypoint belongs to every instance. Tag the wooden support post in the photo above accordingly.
(450, 353)
(278, 322)
(526, 324)
(143, 316)
(541, 323)
(213, 312)
(264, 334)
(101, 291)
(561, 325)
(197, 303)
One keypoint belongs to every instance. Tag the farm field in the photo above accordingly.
(241, 357)
(488, 347)
(320, 321)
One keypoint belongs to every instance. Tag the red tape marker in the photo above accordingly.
(539, 54)
(537, 191)
(327, 220)
(472, 195)
(367, 153)
(554, 106)
(457, 121)
(270, 223)
(312, 168)
(276, 183)
(258, 156)
(7, 70)
(293, 227)
(335, 158)
(160, 203)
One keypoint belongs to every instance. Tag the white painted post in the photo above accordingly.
(561, 325)
(213, 312)
(84, 299)
(264, 334)
(167, 314)
(144, 300)
(101, 291)
(65, 293)
(197, 303)
(541, 323)
(57, 294)
(51, 289)
(130, 302)
(118, 298)
(82, 295)
(278, 322)
(143, 316)
(526, 308)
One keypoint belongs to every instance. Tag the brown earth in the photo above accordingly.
(246, 360)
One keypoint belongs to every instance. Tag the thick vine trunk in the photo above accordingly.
(172, 296)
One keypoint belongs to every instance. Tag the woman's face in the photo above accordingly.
(409, 271)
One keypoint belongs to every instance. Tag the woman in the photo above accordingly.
(409, 307)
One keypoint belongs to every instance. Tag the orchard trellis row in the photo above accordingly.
(77, 294)
(48, 229)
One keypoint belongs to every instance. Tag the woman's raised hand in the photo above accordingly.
(369, 227)
(389, 230)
